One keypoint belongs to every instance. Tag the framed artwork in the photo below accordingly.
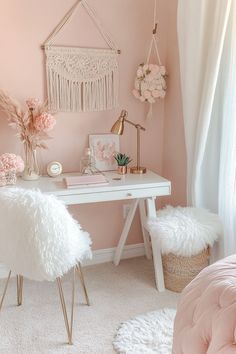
(103, 147)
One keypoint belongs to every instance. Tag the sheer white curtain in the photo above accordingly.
(207, 48)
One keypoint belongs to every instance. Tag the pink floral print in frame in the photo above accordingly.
(103, 147)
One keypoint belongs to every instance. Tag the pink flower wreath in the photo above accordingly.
(150, 82)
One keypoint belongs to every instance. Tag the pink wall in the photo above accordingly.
(26, 24)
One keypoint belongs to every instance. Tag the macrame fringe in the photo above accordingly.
(71, 96)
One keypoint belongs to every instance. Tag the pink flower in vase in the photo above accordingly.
(32, 123)
(44, 122)
(32, 103)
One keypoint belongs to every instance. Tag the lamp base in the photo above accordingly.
(138, 170)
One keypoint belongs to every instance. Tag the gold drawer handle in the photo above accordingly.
(129, 194)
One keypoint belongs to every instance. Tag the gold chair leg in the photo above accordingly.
(69, 326)
(5, 289)
(19, 285)
(81, 276)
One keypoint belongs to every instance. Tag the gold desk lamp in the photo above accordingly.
(118, 128)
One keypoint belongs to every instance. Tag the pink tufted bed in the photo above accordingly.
(206, 315)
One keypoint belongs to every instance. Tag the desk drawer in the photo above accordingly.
(114, 195)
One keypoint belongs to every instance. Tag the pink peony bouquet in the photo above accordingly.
(10, 165)
(150, 83)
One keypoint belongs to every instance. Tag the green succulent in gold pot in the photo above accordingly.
(122, 161)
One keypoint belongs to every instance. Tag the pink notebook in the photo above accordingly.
(76, 181)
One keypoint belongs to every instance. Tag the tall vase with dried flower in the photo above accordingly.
(32, 124)
(31, 171)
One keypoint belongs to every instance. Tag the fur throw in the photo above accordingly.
(185, 231)
(39, 239)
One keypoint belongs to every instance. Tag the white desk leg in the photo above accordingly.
(143, 219)
(125, 231)
(156, 250)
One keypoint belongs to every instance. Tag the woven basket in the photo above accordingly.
(179, 271)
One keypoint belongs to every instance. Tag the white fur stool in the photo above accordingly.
(40, 240)
(184, 236)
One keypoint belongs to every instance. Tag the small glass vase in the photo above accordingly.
(87, 163)
(31, 171)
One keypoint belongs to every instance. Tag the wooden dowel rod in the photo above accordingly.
(44, 46)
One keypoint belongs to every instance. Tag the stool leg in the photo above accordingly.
(81, 276)
(5, 289)
(69, 326)
(19, 285)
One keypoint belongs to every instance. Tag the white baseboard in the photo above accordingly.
(102, 256)
(107, 254)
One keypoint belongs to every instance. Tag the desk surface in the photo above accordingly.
(129, 186)
(129, 181)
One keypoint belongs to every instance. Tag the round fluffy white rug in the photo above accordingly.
(150, 333)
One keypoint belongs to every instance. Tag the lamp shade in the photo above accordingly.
(118, 126)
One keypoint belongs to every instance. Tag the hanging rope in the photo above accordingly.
(61, 24)
(154, 35)
(155, 14)
(91, 12)
(100, 26)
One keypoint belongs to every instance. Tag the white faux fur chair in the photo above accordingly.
(40, 240)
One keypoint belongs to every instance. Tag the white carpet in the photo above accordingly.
(117, 294)
(147, 334)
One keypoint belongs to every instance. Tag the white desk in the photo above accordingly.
(136, 188)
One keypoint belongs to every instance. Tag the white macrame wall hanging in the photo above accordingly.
(81, 79)
(150, 81)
